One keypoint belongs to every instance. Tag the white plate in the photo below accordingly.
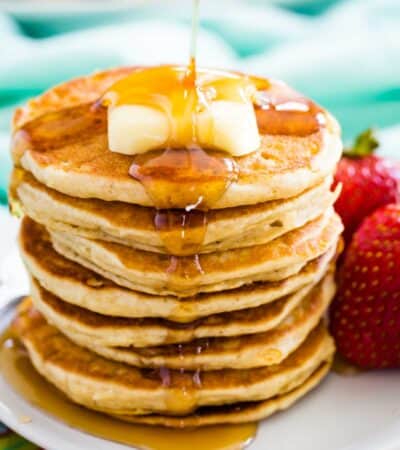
(13, 278)
(344, 413)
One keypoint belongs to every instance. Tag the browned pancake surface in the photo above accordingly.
(57, 350)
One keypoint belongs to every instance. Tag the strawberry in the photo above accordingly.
(368, 182)
(365, 316)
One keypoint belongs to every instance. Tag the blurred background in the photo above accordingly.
(343, 53)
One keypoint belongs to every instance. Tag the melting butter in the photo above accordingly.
(229, 126)
(134, 129)
(171, 107)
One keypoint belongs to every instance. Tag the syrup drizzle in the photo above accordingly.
(203, 177)
(282, 111)
(343, 367)
(182, 232)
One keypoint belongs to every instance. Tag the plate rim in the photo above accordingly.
(40, 419)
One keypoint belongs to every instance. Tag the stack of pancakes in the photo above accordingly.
(213, 317)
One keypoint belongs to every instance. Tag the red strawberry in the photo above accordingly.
(368, 183)
(365, 316)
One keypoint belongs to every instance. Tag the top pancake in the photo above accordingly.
(62, 140)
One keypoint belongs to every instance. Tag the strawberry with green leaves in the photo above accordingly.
(368, 182)
(365, 316)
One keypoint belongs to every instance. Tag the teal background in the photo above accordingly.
(344, 54)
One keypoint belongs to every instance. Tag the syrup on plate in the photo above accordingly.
(19, 373)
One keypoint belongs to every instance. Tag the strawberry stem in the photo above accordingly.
(364, 145)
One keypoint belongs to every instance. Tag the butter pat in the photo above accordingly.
(224, 125)
(134, 129)
(229, 126)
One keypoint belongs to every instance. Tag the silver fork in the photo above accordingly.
(10, 305)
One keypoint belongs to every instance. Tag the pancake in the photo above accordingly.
(119, 331)
(235, 352)
(236, 413)
(80, 286)
(135, 226)
(186, 276)
(61, 138)
(116, 388)
(287, 319)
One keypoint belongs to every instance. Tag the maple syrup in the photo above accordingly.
(343, 367)
(282, 111)
(184, 267)
(51, 131)
(181, 231)
(203, 177)
(19, 373)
